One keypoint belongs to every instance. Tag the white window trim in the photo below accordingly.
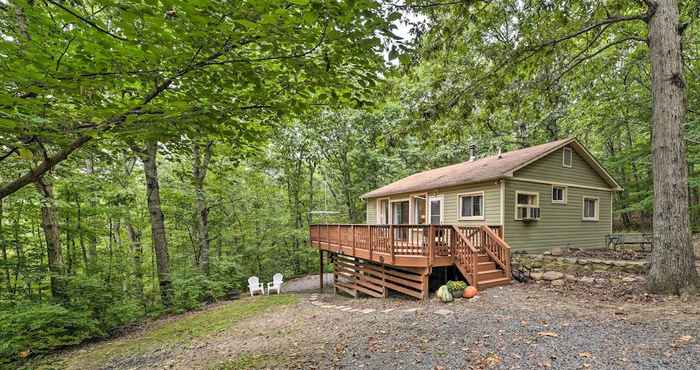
(597, 209)
(563, 157)
(441, 198)
(471, 218)
(518, 192)
(379, 209)
(565, 193)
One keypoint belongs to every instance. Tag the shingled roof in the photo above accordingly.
(484, 169)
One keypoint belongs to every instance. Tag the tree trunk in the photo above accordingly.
(158, 237)
(81, 236)
(136, 256)
(92, 247)
(49, 223)
(672, 260)
(200, 166)
(3, 245)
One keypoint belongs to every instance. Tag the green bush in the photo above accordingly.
(38, 328)
(110, 307)
(193, 289)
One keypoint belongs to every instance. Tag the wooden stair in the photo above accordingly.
(486, 271)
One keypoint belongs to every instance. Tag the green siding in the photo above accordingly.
(550, 168)
(451, 203)
(492, 203)
(560, 225)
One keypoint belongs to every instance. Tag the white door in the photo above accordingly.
(435, 210)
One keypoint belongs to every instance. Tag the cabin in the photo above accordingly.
(468, 218)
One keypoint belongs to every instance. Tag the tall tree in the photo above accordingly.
(200, 165)
(673, 259)
(149, 157)
(49, 223)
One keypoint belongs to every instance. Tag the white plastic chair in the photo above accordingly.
(254, 285)
(276, 283)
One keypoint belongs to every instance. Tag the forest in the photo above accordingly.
(154, 155)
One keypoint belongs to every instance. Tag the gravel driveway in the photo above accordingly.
(515, 327)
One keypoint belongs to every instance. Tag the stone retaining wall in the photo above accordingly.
(538, 263)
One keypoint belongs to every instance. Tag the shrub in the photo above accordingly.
(39, 328)
(193, 289)
(109, 306)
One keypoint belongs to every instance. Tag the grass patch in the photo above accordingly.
(251, 361)
(174, 330)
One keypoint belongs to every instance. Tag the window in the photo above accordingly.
(399, 211)
(590, 209)
(527, 206)
(568, 157)
(471, 206)
(383, 211)
(559, 194)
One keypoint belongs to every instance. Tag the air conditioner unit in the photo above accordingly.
(530, 214)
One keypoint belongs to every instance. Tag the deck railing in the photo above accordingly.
(412, 240)
(466, 255)
(490, 240)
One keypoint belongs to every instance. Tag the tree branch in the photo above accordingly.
(584, 58)
(85, 20)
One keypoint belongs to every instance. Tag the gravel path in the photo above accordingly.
(305, 283)
(518, 326)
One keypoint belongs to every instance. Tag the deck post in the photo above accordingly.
(352, 228)
(321, 270)
(339, 240)
(391, 244)
(369, 228)
(431, 244)
(424, 287)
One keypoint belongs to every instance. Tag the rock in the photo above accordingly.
(552, 275)
(601, 281)
(443, 312)
(559, 282)
(570, 277)
(629, 279)
(556, 251)
(547, 253)
(536, 276)
(582, 261)
(587, 280)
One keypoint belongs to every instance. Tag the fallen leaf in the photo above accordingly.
(492, 360)
(584, 354)
(547, 334)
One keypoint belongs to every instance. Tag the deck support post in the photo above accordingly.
(391, 244)
(424, 287)
(320, 274)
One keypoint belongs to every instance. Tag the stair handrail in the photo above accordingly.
(468, 258)
(502, 253)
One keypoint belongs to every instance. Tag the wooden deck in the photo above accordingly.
(479, 252)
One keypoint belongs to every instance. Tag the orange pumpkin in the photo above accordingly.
(470, 292)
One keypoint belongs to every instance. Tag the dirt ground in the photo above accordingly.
(519, 326)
